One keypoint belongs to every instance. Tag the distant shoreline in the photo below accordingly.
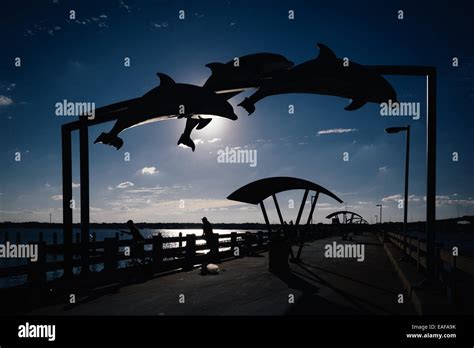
(150, 225)
(187, 225)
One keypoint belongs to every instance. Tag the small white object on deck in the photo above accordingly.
(212, 268)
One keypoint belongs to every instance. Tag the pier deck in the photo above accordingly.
(320, 286)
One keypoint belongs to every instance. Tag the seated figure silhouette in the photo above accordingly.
(137, 241)
(212, 243)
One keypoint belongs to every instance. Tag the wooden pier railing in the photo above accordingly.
(454, 271)
(161, 254)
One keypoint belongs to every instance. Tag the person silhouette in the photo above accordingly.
(211, 242)
(134, 232)
(207, 229)
(137, 247)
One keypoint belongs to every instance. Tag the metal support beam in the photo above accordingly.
(67, 197)
(300, 212)
(265, 216)
(431, 175)
(313, 205)
(84, 174)
(278, 209)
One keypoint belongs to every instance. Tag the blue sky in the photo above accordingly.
(82, 60)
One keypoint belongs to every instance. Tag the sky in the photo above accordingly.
(82, 60)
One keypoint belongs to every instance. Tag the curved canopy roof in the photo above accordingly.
(257, 191)
(342, 212)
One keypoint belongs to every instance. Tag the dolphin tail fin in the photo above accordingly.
(186, 140)
(355, 104)
(203, 122)
(248, 105)
(109, 139)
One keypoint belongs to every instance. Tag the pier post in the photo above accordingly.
(190, 251)
(260, 240)
(157, 252)
(37, 274)
(233, 242)
(110, 254)
(67, 198)
(84, 175)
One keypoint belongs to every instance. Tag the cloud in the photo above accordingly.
(57, 197)
(149, 171)
(215, 140)
(125, 184)
(337, 131)
(74, 185)
(392, 198)
(4, 100)
(383, 169)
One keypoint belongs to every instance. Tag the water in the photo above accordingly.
(31, 235)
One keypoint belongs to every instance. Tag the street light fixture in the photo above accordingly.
(380, 205)
(392, 130)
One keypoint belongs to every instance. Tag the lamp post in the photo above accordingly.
(392, 130)
(380, 205)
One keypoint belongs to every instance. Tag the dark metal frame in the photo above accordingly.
(83, 123)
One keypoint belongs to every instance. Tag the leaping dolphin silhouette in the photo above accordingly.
(167, 101)
(231, 78)
(327, 75)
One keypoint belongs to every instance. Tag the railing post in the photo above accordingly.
(214, 249)
(37, 274)
(418, 254)
(260, 239)
(110, 254)
(157, 252)
(190, 251)
(180, 243)
(233, 242)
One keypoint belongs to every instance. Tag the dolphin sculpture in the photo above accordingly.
(251, 71)
(169, 100)
(228, 80)
(327, 75)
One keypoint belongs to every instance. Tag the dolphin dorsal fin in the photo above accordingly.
(165, 80)
(215, 66)
(325, 52)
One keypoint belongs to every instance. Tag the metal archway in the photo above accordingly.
(256, 192)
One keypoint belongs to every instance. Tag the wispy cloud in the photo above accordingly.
(214, 140)
(125, 184)
(57, 197)
(4, 100)
(336, 131)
